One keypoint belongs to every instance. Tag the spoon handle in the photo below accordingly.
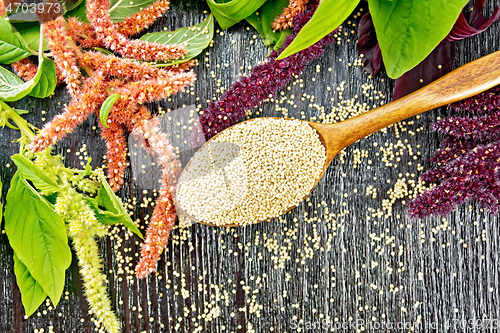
(466, 81)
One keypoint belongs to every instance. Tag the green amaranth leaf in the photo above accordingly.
(408, 30)
(230, 13)
(38, 236)
(12, 88)
(107, 199)
(106, 107)
(328, 16)
(33, 173)
(32, 294)
(12, 46)
(262, 23)
(195, 38)
(47, 81)
(121, 9)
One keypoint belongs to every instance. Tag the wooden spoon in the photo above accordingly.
(466, 81)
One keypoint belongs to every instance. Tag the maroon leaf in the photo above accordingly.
(368, 45)
(438, 63)
(472, 23)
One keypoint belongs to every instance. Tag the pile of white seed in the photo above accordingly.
(251, 172)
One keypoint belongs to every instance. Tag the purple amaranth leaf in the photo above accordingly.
(438, 63)
(472, 23)
(368, 47)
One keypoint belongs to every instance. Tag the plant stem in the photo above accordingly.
(21, 124)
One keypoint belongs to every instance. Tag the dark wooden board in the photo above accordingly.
(338, 268)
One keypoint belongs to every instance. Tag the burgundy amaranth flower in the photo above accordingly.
(468, 165)
(285, 20)
(25, 69)
(264, 81)
(164, 215)
(65, 54)
(106, 32)
(141, 20)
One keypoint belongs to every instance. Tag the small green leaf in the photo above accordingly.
(12, 88)
(195, 38)
(32, 294)
(33, 173)
(230, 13)
(106, 107)
(12, 46)
(103, 51)
(121, 9)
(408, 30)
(328, 16)
(38, 236)
(116, 212)
(262, 23)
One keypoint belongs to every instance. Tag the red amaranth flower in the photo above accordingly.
(91, 97)
(116, 154)
(264, 81)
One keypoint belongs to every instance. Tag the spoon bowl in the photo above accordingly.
(466, 81)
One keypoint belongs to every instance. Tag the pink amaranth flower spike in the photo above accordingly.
(141, 20)
(25, 68)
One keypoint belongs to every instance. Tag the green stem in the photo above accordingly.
(22, 124)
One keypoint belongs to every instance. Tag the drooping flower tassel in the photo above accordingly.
(285, 20)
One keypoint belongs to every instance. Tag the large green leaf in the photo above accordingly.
(408, 30)
(12, 88)
(121, 9)
(107, 199)
(328, 16)
(230, 13)
(32, 294)
(32, 38)
(195, 38)
(38, 236)
(33, 173)
(12, 46)
(262, 23)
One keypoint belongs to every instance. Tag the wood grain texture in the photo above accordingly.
(333, 258)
